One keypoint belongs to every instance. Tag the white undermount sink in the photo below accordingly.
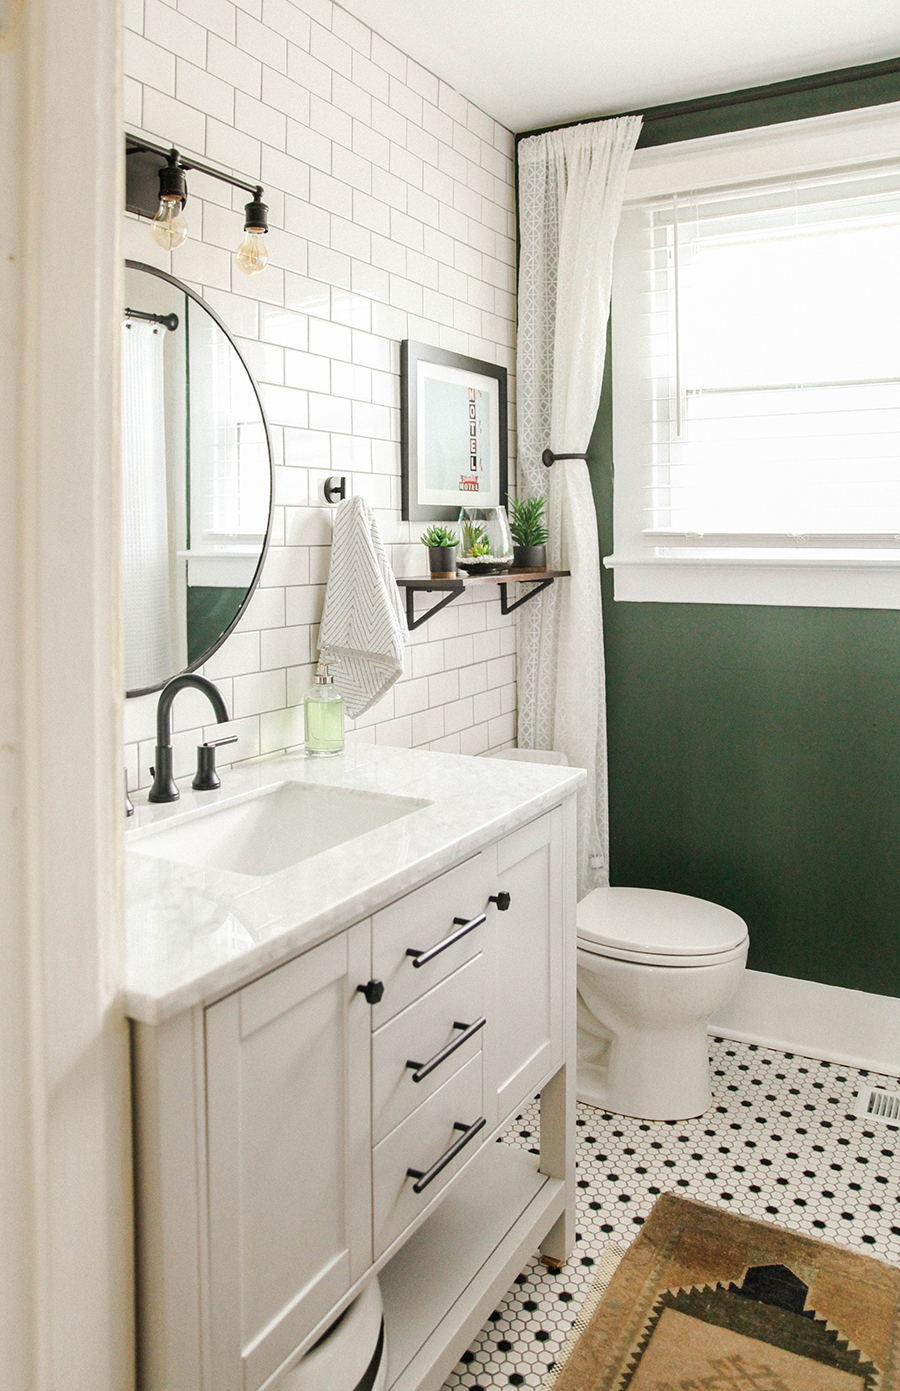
(270, 830)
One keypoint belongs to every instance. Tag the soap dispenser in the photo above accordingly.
(323, 712)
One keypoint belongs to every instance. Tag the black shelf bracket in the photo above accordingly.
(451, 589)
(506, 607)
(411, 620)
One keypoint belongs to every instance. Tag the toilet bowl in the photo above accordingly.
(652, 968)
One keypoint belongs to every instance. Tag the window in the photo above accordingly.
(756, 361)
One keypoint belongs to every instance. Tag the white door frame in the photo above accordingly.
(66, 1290)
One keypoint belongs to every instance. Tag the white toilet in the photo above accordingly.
(652, 968)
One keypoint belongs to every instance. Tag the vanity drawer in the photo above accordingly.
(419, 1143)
(423, 1032)
(420, 922)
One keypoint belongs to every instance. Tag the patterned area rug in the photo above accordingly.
(705, 1300)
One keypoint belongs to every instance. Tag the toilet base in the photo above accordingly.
(673, 1084)
(643, 1047)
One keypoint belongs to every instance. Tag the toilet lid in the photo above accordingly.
(657, 923)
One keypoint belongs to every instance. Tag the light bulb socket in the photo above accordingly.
(256, 214)
(172, 184)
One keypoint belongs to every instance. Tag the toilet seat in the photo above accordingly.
(652, 927)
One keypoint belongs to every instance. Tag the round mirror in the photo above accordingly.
(196, 480)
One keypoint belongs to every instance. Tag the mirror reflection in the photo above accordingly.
(196, 480)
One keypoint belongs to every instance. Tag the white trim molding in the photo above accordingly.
(852, 1027)
(842, 140)
(66, 1306)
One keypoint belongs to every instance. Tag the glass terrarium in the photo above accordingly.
(485, 541)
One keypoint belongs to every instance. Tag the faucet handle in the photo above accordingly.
(206, 779)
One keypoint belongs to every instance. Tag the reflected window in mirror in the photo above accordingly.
(197, 480)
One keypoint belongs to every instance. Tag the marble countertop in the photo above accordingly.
(193, 934)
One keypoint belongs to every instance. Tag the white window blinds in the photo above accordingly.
(771, 372)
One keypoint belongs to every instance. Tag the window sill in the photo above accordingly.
(795, 581)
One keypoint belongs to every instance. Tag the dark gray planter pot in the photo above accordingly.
(442, 562)
(530, 557)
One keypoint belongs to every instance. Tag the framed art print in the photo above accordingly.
(453, 433)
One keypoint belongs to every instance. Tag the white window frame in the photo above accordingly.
(818, 144)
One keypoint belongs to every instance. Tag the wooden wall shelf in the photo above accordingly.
(451, 589)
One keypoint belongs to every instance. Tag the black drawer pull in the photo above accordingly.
(470, 1131)
(469, 1031)
(465, 925)
(502, 901)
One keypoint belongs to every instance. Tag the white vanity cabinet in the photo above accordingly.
(294, 1135)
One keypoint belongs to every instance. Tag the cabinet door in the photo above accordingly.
(288, 1117)
(523, 1040)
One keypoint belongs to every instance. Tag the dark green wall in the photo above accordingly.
(754, 752)
(210, 611)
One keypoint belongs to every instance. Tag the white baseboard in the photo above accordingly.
(818, 1021)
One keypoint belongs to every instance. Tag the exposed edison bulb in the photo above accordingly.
(169, 226)
(251, 256)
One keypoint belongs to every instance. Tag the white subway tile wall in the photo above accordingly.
(391, 208)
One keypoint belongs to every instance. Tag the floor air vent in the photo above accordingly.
(874, 1104)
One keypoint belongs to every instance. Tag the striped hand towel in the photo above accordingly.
(363, 624)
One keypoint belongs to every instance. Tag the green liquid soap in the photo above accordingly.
(324, 717)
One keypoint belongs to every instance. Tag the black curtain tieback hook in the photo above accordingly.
(548, 458)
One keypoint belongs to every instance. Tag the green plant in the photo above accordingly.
(439, 536)
(526, 522)
(475, 541)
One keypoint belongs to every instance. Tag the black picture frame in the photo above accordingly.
(488, 460)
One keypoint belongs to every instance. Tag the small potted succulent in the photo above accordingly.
(529, 533)
(442, 544)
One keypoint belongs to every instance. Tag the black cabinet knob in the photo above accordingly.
(373, 991)
(501, 900)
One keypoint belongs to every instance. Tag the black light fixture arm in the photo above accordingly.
(176, 159)
(548, 458)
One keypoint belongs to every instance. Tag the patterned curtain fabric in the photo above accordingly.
(571, 186)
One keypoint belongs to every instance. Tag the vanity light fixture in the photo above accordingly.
(169, 227)
(156, 188)
(251, 256)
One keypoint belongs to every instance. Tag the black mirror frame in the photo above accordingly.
(180, 285)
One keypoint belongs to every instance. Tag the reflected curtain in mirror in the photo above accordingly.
(146, 589)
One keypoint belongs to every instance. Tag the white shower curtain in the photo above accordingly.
(145, 523)
(571, 186)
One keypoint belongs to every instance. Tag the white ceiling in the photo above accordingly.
(531, 63)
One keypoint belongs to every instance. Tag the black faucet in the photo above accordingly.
(164, 789)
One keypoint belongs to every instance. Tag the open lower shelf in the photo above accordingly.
(443, 1283)
(423, 584)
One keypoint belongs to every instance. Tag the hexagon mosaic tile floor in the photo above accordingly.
(778, 1144)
